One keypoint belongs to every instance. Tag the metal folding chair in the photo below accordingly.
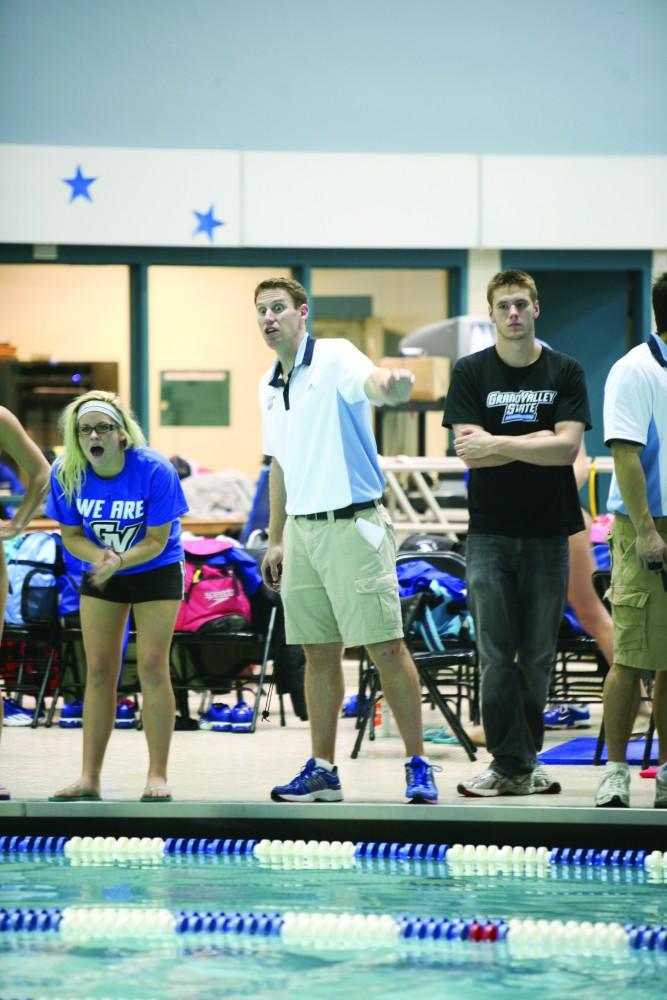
(29, 661)
(439, 673)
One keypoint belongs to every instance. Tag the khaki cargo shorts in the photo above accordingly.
(336, 586)
(638, 602)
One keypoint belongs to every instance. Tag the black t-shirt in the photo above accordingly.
(520, 499)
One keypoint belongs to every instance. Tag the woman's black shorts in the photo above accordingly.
(162, 584)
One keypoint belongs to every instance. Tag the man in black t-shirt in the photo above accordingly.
(518, 412)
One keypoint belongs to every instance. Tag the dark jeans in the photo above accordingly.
(516, 592)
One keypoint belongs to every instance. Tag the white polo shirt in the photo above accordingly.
(318, 427)
(635, 410)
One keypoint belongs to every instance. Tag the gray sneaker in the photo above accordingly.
(542, 784)
(614, 789)
(661, 788)
(490, 783)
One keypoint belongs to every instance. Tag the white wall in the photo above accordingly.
(568, 202)
(150, 197)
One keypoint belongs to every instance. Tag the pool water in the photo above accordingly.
(54, 964)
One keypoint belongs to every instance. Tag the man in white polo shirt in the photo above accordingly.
(331, 550)
(635, 426)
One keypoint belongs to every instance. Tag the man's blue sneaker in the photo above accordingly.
(241, 717)
(312, 784)
(71, 715)
(17, 716)
(421, 788)
(567, 717)
(216, 719)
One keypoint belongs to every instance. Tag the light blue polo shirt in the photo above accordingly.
(635, 410)
(318, 427)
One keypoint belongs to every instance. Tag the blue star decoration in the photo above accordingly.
(79, 185)
(207, 223)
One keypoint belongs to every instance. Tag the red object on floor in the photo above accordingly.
(648, 772)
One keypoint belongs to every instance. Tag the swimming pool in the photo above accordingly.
(294, 885)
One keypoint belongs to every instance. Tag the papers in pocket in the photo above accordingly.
(371, 533)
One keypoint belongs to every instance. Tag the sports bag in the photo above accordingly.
(441, 616)
(435, 602)
(214, 600)
(34, 567)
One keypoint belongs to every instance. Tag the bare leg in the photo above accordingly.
(477, 735)
(581, 594)
(325, 689)
(155, 625)
(660, 713)
(400, 684)
(645, 705)
(102, 625)
(588, 607)
(621, 697)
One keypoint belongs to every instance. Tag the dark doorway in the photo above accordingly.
(588, 315)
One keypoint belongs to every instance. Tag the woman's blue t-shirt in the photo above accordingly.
(116, 512)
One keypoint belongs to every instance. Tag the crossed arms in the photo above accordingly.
(481, 450)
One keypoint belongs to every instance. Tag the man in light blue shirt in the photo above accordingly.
(339, 586)
(635, 427)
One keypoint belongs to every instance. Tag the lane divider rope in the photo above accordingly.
(332, 931)
(340, 853)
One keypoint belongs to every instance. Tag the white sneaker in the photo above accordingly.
(614, 789)
(542, 784)
(661, 788)
(490, 783)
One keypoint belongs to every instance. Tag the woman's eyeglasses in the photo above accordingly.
(85, 430)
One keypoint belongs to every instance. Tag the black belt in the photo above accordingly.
(342, 512)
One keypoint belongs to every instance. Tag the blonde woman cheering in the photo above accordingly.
(118, 504)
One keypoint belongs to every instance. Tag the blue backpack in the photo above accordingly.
(34, 567)
(69, 598)
(443, 617)
(440, 611)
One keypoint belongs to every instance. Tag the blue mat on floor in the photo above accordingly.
(582, 750)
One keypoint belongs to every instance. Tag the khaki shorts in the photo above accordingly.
(638, 602)
(335, 586)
